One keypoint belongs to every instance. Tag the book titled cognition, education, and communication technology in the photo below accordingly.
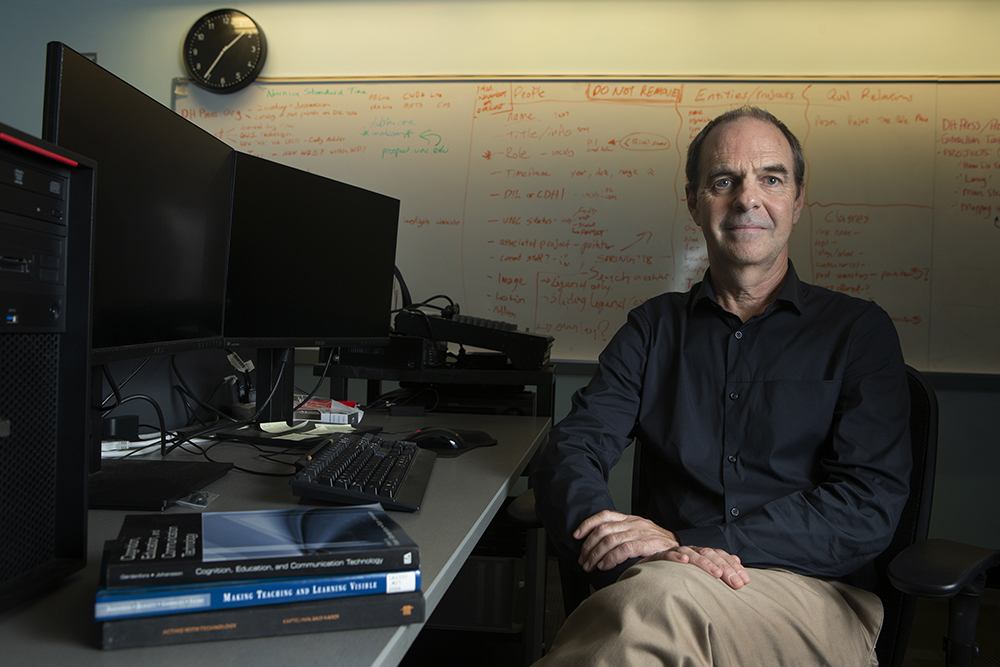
(169, 549)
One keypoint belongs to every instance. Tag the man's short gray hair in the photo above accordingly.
(748, 111)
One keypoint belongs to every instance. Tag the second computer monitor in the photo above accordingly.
(310, 259)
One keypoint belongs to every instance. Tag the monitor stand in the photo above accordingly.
(276, 382)
(123, 484)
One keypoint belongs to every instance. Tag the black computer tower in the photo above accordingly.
(46, 212)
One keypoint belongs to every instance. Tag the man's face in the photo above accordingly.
(746, 202)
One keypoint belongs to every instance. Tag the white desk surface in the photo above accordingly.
(463, 495)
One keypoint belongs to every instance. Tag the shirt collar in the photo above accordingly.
(790, 294)
(791, 291)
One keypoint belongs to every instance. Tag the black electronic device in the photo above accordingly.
(438, 437)
(161, 221)
(473, 399)
(46, 207)
(526, 350)
(450, 442)
(309, 260)
(311, 264)
(160, 233)
(363, 468)
(151, 486)
(409, 352)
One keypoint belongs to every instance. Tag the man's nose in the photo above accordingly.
(747, 196)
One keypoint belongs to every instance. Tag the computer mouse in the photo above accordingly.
(437, 437)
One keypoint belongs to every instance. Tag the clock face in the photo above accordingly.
(224, 51)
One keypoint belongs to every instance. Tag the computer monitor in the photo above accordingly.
(160, 238)
(162, 211)
(194, 241)
(310, 265)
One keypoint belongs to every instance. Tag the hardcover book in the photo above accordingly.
(185, 598)
(162, 549)
(367, 611)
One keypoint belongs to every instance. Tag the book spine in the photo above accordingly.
(370, 611)
(383, 559)
(153, 601)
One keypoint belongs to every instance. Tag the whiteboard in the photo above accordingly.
(557, 204)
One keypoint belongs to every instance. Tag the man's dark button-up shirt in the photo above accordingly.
(783, 440)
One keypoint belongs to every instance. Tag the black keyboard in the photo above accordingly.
(354, 469)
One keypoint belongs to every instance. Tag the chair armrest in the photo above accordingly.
(521, 510)
(940, 568)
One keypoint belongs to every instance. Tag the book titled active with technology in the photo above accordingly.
(164, 549)
(351, 613)
(186, 598)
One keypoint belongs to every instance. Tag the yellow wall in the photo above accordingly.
(140, 40)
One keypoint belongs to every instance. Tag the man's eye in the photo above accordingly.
(723, 183)
(772, 180)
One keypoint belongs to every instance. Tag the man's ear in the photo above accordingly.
(691, 197)
(800, 201)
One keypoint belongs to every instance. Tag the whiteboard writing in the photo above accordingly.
(558, 205)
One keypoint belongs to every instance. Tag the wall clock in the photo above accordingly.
(224, 51)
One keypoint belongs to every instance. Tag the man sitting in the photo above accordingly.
(773, 417)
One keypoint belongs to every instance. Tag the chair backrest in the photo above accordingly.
(914, 521)
(912, 526)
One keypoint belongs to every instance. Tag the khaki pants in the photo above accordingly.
(676, 615)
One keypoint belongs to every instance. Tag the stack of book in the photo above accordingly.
(179, 578)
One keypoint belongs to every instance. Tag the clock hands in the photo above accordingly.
(222, 53)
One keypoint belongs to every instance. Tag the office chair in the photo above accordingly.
(936, 568)
(911, 566)
(918, 567)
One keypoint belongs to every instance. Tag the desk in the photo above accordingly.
(463, 495)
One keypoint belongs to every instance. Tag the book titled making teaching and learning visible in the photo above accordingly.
(165, 549)
(186, 598)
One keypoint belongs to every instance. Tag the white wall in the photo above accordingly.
(140, 40)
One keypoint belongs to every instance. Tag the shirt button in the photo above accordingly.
(734, 395)
(732, 458)
(738, 334)
(735, 511)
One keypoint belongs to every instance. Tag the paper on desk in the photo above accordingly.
(303, 430)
